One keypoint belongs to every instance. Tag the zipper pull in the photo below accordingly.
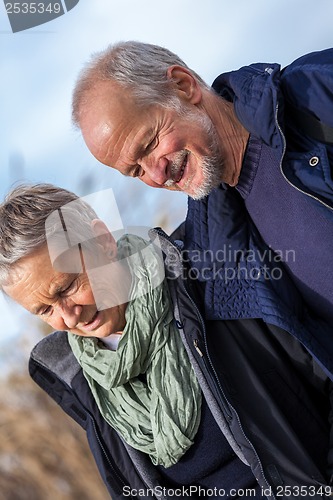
(196, 342)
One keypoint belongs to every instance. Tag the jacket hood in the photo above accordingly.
(255, 92)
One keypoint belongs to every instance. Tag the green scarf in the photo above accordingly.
(159, 416)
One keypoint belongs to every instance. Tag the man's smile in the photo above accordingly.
(177, 170)
(182, 169)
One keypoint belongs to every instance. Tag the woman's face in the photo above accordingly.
(66, 301)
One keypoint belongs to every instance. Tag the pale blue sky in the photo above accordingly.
(38, 68)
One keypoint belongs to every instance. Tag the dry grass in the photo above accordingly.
(43, 452)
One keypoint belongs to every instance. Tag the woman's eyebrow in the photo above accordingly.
(37, 309)
(54, 290)
(58, 287)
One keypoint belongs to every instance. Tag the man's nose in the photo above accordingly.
(70, 313)
(158, 171)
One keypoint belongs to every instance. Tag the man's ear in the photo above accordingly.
(104, 238)
(188, 87)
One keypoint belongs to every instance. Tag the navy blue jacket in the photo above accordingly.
(286, 179)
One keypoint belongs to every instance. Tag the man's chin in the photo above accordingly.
(199, 192)
(193, 189)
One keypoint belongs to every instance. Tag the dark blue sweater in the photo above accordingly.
(210, 462)
(291, 224)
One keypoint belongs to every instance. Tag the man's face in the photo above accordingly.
(64, 301)
(163, 147)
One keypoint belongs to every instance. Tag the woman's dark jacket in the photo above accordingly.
(267, 395)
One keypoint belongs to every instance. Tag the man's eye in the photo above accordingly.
(138, 171)
(152, 144)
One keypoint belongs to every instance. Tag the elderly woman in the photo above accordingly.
(268, 398)
(98, 289)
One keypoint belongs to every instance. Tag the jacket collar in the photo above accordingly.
(255, 92)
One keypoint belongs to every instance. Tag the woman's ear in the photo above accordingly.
(104, 238)
(188, 87)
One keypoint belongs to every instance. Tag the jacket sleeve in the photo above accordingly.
(307, 86)
(307, 83)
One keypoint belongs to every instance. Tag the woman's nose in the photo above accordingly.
(70, 313)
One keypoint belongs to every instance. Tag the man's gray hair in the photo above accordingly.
(23, 216)
(139, 67)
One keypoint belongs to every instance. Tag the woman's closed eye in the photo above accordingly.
(71, 288)
(46, 312)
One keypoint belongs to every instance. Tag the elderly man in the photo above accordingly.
(260, 136)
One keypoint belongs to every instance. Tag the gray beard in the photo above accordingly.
(212, 165)
(211, 169)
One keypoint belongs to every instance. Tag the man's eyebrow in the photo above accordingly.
(131, 170)
(127, 168)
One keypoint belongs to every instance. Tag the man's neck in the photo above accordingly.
(232, 136)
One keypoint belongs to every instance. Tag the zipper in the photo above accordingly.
(225, 403)
(281, 169)
(112, 465)
(196, 346)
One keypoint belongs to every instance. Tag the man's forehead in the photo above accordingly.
(110, 130)
(107, 94)
(106, 105)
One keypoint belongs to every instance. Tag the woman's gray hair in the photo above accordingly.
(26, 221)
(139, 67)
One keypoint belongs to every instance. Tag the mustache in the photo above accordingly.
(176, 166)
